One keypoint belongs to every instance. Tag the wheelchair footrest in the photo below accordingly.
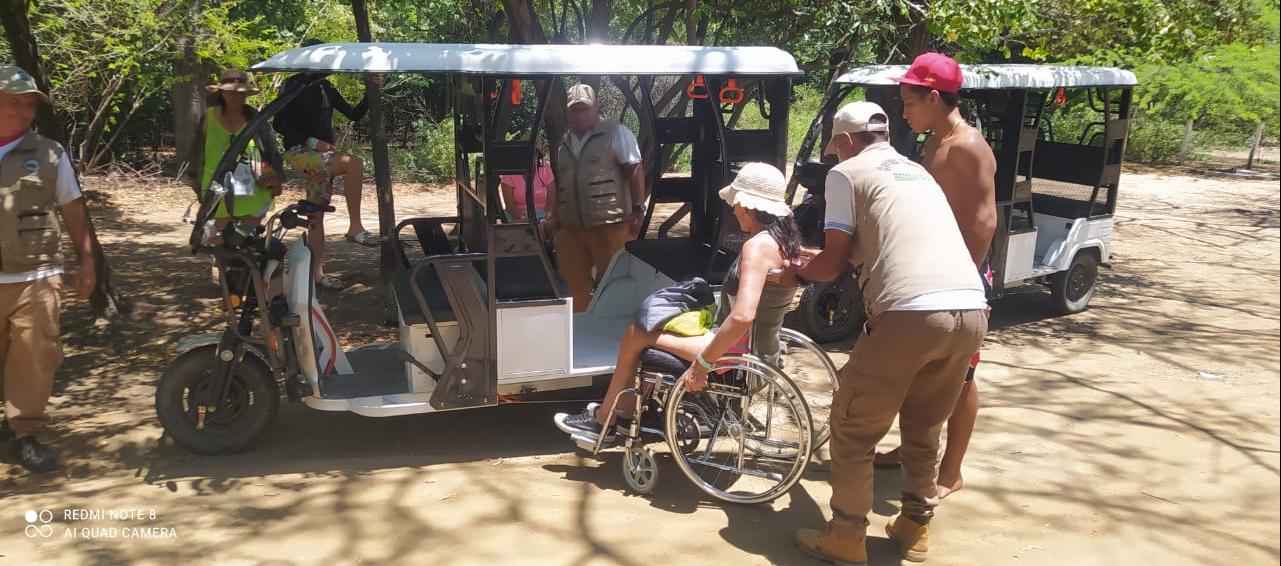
(585, 442)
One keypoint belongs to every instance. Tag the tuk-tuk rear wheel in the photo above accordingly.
(831, 312)
(233, 426)
(1072, 289)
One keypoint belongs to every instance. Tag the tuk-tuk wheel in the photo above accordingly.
(243, 416)
(832, 312)
(640, 469)
(1071, 290)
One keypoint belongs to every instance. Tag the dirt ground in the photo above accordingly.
(1144, 430)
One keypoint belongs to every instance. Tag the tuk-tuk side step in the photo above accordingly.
(364, 384)
(378, 370)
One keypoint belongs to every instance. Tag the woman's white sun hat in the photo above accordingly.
(758, 186)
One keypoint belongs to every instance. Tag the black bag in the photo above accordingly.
(664, 304)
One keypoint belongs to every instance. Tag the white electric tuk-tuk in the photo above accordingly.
(1059, 136)
(483, 317)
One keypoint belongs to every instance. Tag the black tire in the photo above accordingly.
(832, 312)
(1071, 290)
(250, 408)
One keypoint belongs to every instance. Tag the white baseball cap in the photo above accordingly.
(860, 116)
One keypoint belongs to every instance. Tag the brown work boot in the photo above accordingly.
(826, 546)
(912, 538)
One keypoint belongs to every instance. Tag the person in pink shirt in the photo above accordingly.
(514, 193)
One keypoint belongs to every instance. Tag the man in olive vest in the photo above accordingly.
(927, 313)
(599, 196)
(37, 183)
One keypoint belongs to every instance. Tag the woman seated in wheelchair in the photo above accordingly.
(758, 291)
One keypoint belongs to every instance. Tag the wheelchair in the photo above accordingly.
(745, 438)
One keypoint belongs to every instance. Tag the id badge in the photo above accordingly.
(242, 180)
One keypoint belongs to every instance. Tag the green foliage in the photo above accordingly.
(1184, 52)
(1228, 89)
(1153, 140)
(805, 102)
(430, 157)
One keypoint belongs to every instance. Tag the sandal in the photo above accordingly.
(364, 238)
(332, 283)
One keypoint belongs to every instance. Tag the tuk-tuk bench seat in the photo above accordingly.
(1063, 207)
(522, 279)
(683, 258)
(519, 279)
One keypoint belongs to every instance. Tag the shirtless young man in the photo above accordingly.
(962, 163)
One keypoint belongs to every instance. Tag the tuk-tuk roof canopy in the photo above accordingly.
(991, 77)
(531, 60)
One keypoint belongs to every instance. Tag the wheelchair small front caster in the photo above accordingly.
(640, 469)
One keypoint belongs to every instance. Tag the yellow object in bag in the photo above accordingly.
(692, 323)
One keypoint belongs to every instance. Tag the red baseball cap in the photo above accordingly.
(934, 70)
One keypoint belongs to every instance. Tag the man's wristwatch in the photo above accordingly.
(638, 208)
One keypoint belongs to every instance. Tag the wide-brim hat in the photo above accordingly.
(15, 80)
(233, 80)
(759, 186)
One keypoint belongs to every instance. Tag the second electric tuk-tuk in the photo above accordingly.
(1059, 136)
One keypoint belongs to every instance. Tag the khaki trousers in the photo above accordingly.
(582, 250)
(29, 351)
(906, 363)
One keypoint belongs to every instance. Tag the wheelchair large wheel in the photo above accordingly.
(814, 372)
(757, 436)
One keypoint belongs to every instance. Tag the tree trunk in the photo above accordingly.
(382, 162)
(188, 100)
(917, 41)
(1187, 139)
(17, 29)
(13, 14)
(598, 21)
(1254, 146)
(523, 26)
(691, 23)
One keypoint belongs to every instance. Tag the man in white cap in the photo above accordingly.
(598, 202)
(927, 314)
(37, 183)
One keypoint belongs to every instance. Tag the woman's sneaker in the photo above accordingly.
(583, 423)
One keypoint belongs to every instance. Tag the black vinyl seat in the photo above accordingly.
(521, 278)
(682, 258)
(654, 360)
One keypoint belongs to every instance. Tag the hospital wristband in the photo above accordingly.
(701, 362)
